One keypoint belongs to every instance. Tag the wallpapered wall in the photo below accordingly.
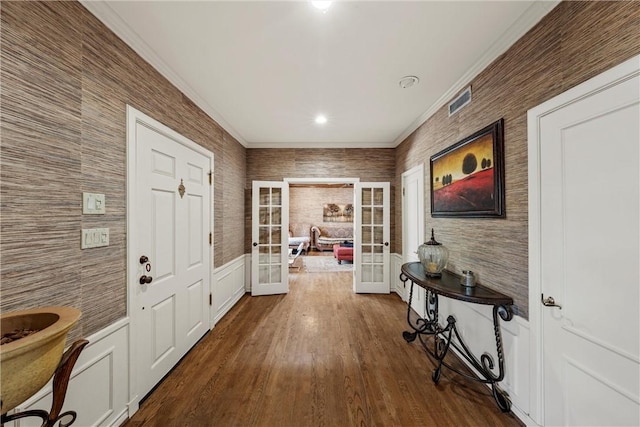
(373, 165)
(575, 41)
(66, 80)
(306, 203)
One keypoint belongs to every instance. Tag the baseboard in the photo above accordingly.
(98, 391)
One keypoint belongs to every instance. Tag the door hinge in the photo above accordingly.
(210, 299)
(403, 191)
(210, 238)
(210, 175)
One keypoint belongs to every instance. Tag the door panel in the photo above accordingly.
(196, 231)
(590, 216)
(194, 311)
(171, 226)
(372, 233)
(163, 318)
(270, 225)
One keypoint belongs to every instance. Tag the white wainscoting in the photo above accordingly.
(99, 386)
(227, 287)
(395, 283)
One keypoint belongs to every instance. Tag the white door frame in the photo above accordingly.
(405, 232)
(615, 75)
(135, 117)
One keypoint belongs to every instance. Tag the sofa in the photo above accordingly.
(323, 238)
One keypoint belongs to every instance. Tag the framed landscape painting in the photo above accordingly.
(467, 179)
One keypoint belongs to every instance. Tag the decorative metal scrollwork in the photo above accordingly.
(437, 339)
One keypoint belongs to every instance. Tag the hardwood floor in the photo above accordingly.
(318, 356)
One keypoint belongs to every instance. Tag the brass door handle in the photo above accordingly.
(549, 302)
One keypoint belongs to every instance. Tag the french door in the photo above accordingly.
(372, 223)
(270, 238)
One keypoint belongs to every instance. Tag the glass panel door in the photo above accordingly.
(270, 224)
(372, 237)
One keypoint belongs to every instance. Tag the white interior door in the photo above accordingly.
(589, 258)
(270, 238)
(171, 226)
(371, 255)
(413, 227)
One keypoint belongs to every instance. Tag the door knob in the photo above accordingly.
(549, 302)
(255, 244)
(386, 243)
(144, 259)
(144, 279)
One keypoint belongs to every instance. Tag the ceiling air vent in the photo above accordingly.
(460, 101)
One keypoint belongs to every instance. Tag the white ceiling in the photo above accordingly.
(265, 69)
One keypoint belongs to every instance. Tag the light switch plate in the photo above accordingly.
(93, 204)
(94, 238)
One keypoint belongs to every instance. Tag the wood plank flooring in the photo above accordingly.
(318, 356)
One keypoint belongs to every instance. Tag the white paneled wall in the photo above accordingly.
(227, 287)
(99, 386)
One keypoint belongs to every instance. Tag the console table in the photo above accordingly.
(447, 336)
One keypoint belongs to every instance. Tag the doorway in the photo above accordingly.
(308, 198)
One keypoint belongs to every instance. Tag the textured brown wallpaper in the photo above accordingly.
(66, 80)
(373, 165)
(575, 41)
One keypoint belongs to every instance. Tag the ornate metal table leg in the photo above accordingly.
(60, 384)
(426, 326)
(409, 336)
(501, 397)
(441, 348)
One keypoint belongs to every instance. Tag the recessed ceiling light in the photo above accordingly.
(408, 81)
(321, 5)
(320, 119)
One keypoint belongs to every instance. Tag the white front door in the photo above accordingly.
(371, 244)
(270, 238)
(589, 195)
(413, 227)
(170, 248)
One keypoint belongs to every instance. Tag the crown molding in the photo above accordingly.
(101, 10)
(322, 144)
(538, 10)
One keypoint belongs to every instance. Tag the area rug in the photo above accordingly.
(324, 264)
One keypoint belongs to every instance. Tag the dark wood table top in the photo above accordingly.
(449, 286)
